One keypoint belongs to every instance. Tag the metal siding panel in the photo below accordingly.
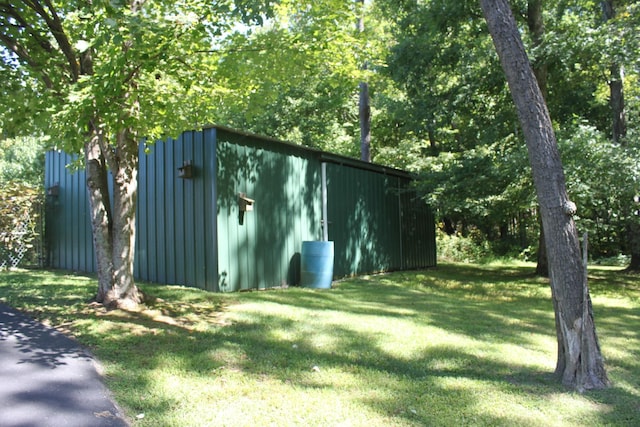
(58, 211)
(75, 218)
(170, 206)
(244, 247)
(236, 267)
(242, 233)
(373, 249)
(69, 205)
(53, 210)
(297, 191)
(149, 221)
(199, 213)
(222, 214)
(224, 247)
(364, 216)
(226, 160)
(179, 240)
(255, 258)
(339, 204)
(268, 217)
(82, 217)
(210, 210)
(160, 261)
(48, 207)
(189, 215)
(393, 222)
(141, 218)
(418, 232)
(61, 210)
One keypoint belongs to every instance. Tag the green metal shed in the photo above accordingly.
(194, 227)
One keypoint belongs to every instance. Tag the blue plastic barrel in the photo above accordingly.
(316, 265)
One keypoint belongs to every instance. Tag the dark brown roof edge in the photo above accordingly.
(324, 156)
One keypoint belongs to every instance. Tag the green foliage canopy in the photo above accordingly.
(116, 65)
(455, 117)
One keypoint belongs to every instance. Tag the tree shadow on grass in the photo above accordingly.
(413, 389)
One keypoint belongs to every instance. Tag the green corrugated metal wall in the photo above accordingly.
(377, 222)
(176, 228)
(262, 251)
(190, 231)
(69, 241)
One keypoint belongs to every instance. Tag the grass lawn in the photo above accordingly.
(455, 345)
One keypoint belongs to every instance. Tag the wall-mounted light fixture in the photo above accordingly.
(54, 190)
(186, 170)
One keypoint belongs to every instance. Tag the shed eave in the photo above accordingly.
(323, 156)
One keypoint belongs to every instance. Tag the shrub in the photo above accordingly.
(20, 224)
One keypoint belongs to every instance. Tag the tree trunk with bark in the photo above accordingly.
(365, 123)
(579, 364)
(113, 226)
(616, 85)
(100, 214)
(364, 105)
(542, 266)
(535, 23)
(634, 241)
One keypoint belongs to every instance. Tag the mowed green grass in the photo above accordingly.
(449, 346)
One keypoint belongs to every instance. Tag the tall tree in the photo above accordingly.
(106, 74)
(619, 123)
(616, 84)
(535, 22)
(579, 362)
(364, 104)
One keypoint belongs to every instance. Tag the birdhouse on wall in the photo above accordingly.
(186, 170)
(54, 190)
(244, 203)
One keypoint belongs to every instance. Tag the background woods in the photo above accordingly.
(438, 102)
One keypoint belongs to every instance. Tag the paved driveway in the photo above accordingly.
(48, 380)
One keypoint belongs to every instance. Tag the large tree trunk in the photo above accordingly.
(124, 292)
(616, 101)
(113, 227)
(100, 214)
(116, 228)
(580, 364)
